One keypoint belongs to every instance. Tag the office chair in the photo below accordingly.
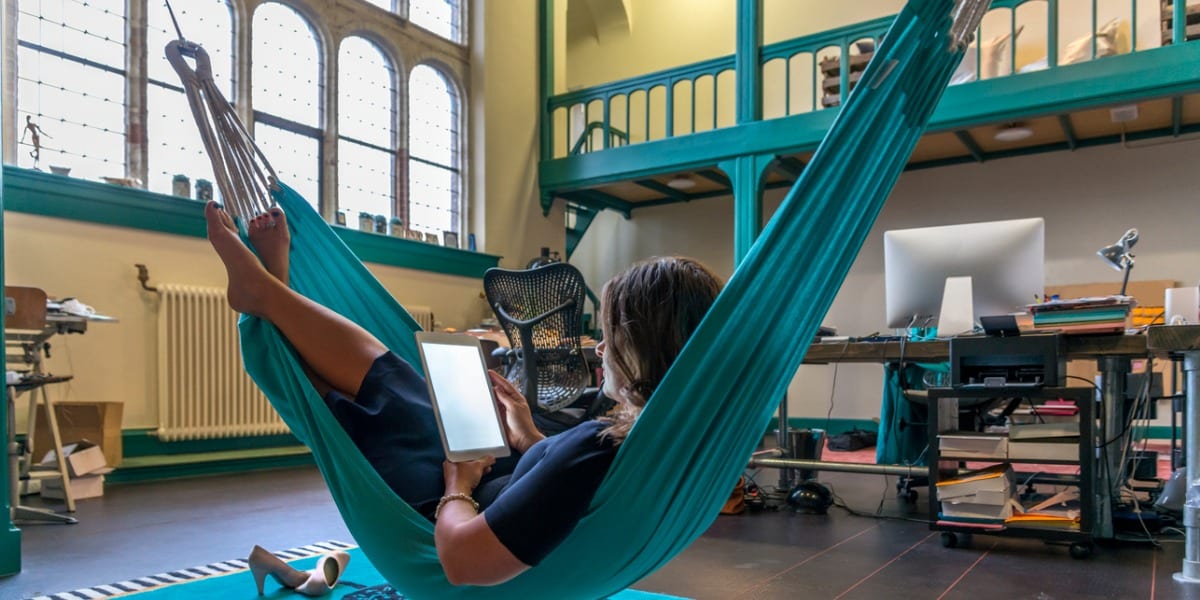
(25, 333)
(541, 311)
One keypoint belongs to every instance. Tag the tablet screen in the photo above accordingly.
(462, 394)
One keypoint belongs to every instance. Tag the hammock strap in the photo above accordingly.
(242, 171)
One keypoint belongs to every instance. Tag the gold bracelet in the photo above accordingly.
(450, 498)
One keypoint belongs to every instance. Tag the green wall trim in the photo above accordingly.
(198, 465)
(1154, 73)
(136, 443)
(44, 194)
(834, 426)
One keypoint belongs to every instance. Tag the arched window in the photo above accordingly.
(434, 173)
(366, 130)
(389, 5)
(71, 87)
(443, 17)
(172, 136)
(287, 97)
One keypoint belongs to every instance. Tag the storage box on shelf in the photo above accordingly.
(831, 76)
(1191, 20)
(987, 500)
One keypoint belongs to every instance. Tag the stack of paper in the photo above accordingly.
(1042, 521)
(983, 496)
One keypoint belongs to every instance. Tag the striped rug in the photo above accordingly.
(150, 582)
(232, 579)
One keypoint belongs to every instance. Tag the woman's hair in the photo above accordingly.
(649, 312)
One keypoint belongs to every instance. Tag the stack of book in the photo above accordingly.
(1044, 441)
(1096, 314)
(983, 497)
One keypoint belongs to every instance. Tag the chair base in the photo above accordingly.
(28, 513)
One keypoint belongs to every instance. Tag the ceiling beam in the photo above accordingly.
(716, 177)
(1068, 130)
(968, 142)
(599, 199)
(1059, 146)
(663, 189)
(788, 166)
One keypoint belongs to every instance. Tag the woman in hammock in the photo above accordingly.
(493, 521)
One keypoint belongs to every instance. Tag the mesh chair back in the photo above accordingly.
(541, 311)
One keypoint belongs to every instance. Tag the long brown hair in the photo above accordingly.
(649, 311)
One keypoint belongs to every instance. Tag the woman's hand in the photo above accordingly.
(463, 477)
(514, 409)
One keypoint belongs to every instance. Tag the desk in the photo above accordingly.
(1113, 355)
(1183, 342)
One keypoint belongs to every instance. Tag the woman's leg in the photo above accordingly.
(336, 349)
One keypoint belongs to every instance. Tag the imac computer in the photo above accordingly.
(1003, 259)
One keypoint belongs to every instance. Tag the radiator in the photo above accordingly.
(423, 316)
(203, 389)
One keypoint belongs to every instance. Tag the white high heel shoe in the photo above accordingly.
(316, 582)
(328, 571)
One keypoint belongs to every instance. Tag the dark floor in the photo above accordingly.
(141, 529)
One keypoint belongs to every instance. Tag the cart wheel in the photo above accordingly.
(910, 496)
(1081, 550)
(949, 539)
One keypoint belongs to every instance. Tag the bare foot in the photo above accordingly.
(248, 280)
(270, 236)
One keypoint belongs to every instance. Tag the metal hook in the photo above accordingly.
(144, 277)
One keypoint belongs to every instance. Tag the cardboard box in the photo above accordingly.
(88, 486)
(97, 422)
(83, 458)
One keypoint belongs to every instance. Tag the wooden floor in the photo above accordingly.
(142, 529)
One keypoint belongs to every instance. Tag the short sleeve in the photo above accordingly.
(550, 491)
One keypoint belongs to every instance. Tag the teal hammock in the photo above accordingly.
(694, 438)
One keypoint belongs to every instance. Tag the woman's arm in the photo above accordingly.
(469, 551)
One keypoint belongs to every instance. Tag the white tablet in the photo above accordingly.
(463, 401)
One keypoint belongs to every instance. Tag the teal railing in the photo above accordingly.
(804, 74)
(586, 141)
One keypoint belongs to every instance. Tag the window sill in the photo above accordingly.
(37, 193)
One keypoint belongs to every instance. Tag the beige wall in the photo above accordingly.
(119, 361)
(504, 66)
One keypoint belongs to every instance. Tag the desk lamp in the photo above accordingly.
(1118, 255)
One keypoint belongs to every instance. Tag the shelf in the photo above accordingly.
(955, 429)
(1015, 461)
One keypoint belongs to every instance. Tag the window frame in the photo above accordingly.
(11, 52)
(404, 46)
(397, 122)
(458, 169)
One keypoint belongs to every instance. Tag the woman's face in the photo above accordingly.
(613, 383)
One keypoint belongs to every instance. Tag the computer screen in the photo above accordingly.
(1005, 260)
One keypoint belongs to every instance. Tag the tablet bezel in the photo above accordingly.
(458, 339)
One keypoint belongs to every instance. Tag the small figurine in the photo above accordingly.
(35, 137)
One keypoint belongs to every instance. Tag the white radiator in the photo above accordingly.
(203, 389)
(423, 316)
